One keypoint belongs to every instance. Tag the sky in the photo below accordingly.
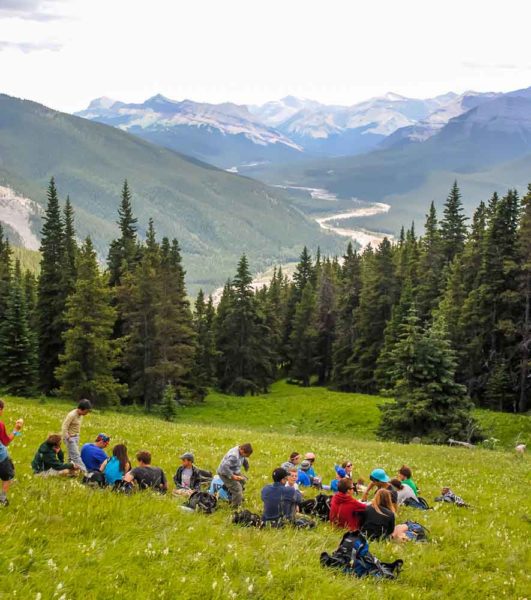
(64, 53)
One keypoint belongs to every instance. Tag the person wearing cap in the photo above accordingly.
(340, 474)
(280, 502)
(92, 454)
(71, 430)
(304, 478)
(380, 480)
(230, 473)
(294, 460)
(310, 456)
(187, 478)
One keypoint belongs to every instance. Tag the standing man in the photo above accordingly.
(7, 468)
(71, 430)
(229, 471)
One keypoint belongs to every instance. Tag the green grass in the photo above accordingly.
(62, 540)
(291, 409)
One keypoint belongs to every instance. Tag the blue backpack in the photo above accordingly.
(416, 532)
(353, 558)
(417, 503)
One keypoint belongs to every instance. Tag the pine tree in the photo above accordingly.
(453, 228)
(123, 253)
(245, 360)
(430, 267)
(204, 370)
(70, 250)
(5, 272)
(348, 302)
(524, 247)
(377, 298)
(326, 317)
(90, 355)
(51, 293)
(174, 343)
(303, 339)
(428, 402)
(169, 403)
(17, 344)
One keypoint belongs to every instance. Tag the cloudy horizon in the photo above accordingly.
(63, 53)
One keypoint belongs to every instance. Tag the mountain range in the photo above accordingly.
(239, 137)
(215, 215)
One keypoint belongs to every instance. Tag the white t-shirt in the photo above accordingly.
(405, 493)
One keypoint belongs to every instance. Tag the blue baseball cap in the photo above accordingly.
(379, 475)
(340, 471)
(103, 438)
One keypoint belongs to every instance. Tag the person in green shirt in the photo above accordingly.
(404, 474)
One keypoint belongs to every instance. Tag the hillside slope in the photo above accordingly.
(144, 546)
(216, 216)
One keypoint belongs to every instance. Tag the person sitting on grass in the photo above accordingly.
(345, 510)
(340, 474)
(293, 475)
(379, 519)
(145, 476)
(7, 468)
(115, 467)
(404, 474)
(49, 460)
(380, 480)
(230, 473)
(187, 478)
(280, 501)
(92, 454)
(347, 465)
(294, 460)
(303, 478)
(404, 491)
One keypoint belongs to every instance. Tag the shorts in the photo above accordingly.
(7, 470)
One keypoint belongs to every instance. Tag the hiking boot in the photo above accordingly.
(4, 501)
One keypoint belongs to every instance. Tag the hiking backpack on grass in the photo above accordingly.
(318, 507)
(202, 502)
(416, 532)
(418, 502)
(246, 518)
(353, 558)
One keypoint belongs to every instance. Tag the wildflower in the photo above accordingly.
(38, 596)
(214, 585)
(60, 585)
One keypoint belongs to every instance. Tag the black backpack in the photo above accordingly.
(318, 507)
(353, 558)
(246, 518)
(202, 502)
(94, 479)
(419, 502)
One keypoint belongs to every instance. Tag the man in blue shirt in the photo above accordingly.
(93, 455)
(280, 502)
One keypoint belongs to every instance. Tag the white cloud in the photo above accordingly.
(249, 52)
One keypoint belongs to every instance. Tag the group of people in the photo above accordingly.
(282, 498)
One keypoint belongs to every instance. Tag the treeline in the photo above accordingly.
(434, 319)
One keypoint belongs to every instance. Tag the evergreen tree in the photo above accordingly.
(169, 403)
(245, 360)
(174, 343)
(17, 344)
(70, 250)
(430, 267)
(524, 247)
(348, 302)
(326, 317)
(428, 402)
(123, 253)
(474, 249)
(453, 228)
(51, 292)
(5, 272)
(303, 339)
(378, 295)
(138, 295)
(204, 371)
(90, 355)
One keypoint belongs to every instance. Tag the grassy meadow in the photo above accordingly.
(61, 540)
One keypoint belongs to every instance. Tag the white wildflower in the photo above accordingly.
(214, 585)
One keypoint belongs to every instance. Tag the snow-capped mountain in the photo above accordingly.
(218, 133)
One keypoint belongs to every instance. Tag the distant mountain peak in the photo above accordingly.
(391, 96)
(103, 102)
